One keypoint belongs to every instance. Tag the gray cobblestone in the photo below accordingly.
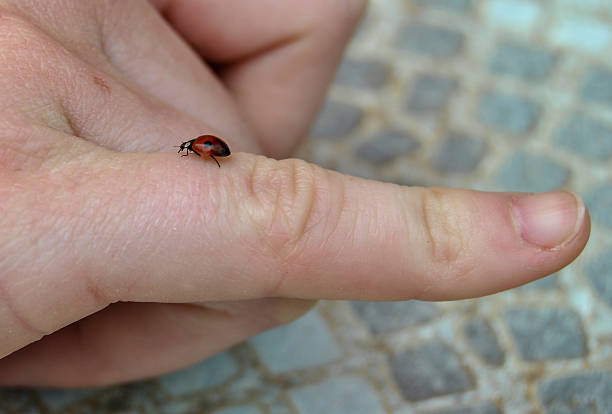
(458, 153)
(430, 94)
(203, 376)
(599, 201)
(522, 61)
(546, 283)
(336, 120)
(58, 399)
(508, 113)
(15, 401)
(532, 173)
(178, 407)
(363, 73)
(597, 85)
(430, 370)
(483, 340)
(585, 136)
(599, 271)
(546, 333)
(482, 408)
(387, 316)
(305, 343)
(342, 395)
(434, 41)
(386, 145)
(582, 393)
(239, 409)
(462, 6)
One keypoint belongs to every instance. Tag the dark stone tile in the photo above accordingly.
(480, 408)
(483, 340)
(599, 271)
(586, 137)
(437, 42)
(583, 393)
(338, 395)
(597, 85)
(532, 173)
(458, 153)
(546, 333)
(599, 202)
(336, 120)
(430, 370)
(363, 73)
(546, 283)
(460, 6)
(508, 113)
(388, 316)
(430, 94)
(522, 61)
(386, 145)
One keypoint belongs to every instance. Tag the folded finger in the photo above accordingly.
(281, 54)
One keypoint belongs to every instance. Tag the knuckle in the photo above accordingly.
(284, 193)
(445, 230)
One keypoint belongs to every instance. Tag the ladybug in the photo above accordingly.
(206, 144)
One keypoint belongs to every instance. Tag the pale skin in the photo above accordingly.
(120, 259)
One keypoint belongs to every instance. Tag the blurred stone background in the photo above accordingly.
(485, 94)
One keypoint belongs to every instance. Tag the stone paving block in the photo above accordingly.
(599, 201)
(590, 6)
(336, 120)
(546, 333)
(519, 15)
(546, 283)
(458, 153)
(178, 407)
(363, 73)
(429, 370)
(240, 409)
(462, 6)
(597, 85)
(586, 137)
(203, 376)
(57, 399)
(383, 317)
(16, 401)
(480, 408)
(506, 113)
(430, 93)
(340, 395)
(434, 41)
(522, 61)
(483, 340)
(582, 393)
(599, 271)
(532, 173)
(305, 343)
(386, 145)
(581, 33)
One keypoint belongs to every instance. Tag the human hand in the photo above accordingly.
(129, 262)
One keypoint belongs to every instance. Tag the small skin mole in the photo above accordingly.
(101, 83)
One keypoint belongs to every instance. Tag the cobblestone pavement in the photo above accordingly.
(496, 94)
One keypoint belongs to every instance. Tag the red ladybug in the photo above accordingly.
(208, 145)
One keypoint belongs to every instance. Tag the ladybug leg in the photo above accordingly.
(196, 153)
(215, 160)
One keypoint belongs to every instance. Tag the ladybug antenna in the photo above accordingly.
(215, 160)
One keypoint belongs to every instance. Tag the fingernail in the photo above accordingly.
(550, 219)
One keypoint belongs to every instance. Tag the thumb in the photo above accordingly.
(161, 228)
